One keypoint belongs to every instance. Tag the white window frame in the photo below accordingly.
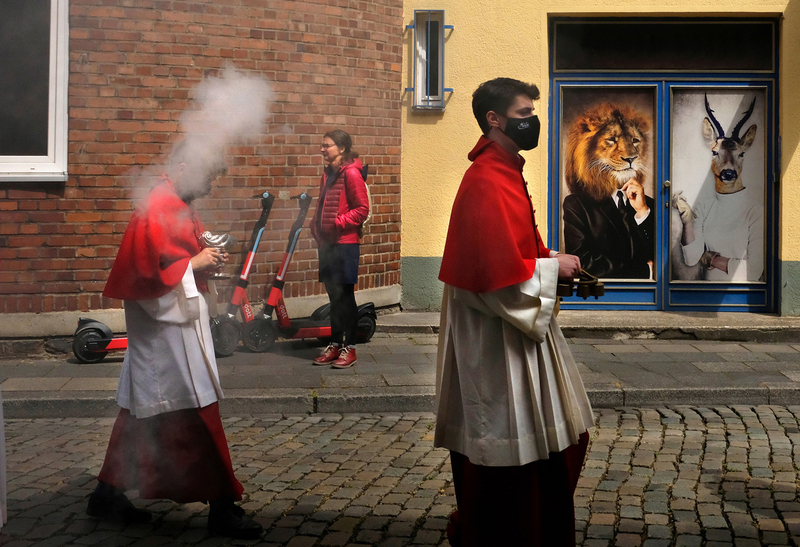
(53, 166)
(423, 65)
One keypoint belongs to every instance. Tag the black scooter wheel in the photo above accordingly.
(226, 334)
(259, 335)
(366, 328)
(79, 343)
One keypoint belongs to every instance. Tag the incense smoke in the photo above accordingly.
(229, 109)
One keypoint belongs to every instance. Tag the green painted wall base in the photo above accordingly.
(789, 292)
(422, 289)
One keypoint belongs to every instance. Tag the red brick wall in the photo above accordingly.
(331, 63)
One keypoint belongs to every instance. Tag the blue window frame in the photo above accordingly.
(428, 91)
(671, 98)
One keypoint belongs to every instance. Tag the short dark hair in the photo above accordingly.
(343, 142)
(497, 96)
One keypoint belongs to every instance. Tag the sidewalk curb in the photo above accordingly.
(32, 405)
(29, 405)
(415, 329)
(719, 334)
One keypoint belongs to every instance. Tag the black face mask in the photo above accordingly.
(524, 132)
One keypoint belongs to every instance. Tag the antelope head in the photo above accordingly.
(727, 153)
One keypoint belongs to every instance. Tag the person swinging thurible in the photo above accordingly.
(168, 441)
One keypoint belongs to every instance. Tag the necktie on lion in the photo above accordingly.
(620, 201)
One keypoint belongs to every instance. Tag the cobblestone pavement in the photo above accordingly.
(682, 476)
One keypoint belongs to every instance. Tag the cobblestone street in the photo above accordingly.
(683, 476)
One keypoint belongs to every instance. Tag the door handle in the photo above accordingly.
(667, 185)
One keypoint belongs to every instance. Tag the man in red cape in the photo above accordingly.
(511, 407)
(168, 441)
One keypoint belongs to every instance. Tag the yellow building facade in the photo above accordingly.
(483, 40)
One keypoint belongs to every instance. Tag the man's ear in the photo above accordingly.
(493, 118)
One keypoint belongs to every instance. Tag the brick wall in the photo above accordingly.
(333, 63)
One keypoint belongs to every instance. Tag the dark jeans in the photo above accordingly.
(344, 313)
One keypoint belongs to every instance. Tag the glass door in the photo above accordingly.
(663, 160)
(607, 159)
(718, 195)
(665, 191)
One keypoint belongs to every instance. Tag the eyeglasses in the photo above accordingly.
(326, 146)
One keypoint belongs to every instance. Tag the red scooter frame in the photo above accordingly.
(93, 340)
(225, 329)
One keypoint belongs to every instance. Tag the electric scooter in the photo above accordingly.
(259, 334)
(226, 331)
(93, 340)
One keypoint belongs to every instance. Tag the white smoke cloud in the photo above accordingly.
(230, 109)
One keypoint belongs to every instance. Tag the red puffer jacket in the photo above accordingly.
(342, 206)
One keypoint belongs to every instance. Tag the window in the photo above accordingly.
(668, 45)
(34, 39)
(429, 87)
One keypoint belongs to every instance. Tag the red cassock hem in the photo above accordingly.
(528, 505)
(182, 456)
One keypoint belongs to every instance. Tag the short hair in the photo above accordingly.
(343, 142)
(497, 96)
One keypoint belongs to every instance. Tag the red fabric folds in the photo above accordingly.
(492, 241)
(162, 237)
(530, 505)
(181, 455)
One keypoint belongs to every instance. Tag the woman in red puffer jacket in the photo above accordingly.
(341, 209)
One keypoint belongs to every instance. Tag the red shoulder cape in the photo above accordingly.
(162, 236)
(492, 241)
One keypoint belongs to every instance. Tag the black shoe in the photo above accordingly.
(229, 520)
(117, 508)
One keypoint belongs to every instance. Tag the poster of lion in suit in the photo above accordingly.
(607, 179)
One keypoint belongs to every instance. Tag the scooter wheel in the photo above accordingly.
(259, 335)
(366, 328)
(79, 346)
(226, 334)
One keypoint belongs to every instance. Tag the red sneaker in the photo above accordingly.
(347, 358)
(329, 355)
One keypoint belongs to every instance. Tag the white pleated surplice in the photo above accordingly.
(508, 391)
(170, 363)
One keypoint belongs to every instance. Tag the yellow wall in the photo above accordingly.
(495, 38)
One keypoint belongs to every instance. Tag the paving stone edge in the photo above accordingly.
(29, 405)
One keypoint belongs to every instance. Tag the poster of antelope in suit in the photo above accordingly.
(718, 171)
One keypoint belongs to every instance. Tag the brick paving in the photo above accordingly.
(668, 476)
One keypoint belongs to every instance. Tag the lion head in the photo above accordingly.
(606, 148)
